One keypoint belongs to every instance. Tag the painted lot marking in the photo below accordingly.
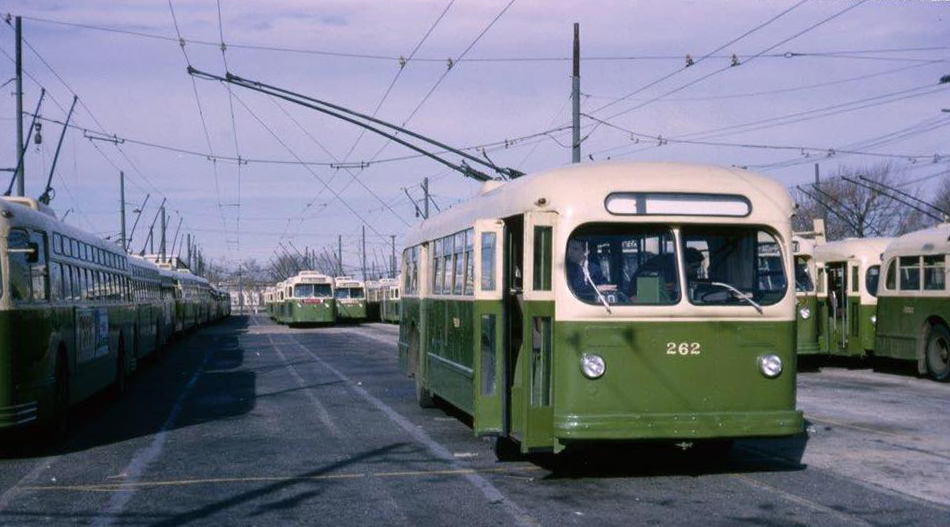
(116, 487)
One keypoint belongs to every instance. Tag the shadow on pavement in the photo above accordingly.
(222, 390)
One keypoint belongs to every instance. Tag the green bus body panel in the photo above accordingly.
(808, 342)
(299, 313)
(29, 340)
(859, 332)
(449, 356)
(536, 421)
(389, 311)
(489, 412)
(411, 319)
(902, 322)
(355, 311)
(648, 393)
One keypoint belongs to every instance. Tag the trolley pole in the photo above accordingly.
(151, 239)
(125, 243)
(425, 192)
(392, 262)
(188, 253)
(339, 254)
(20, 185)
(576, 96)
(363, 237)
(164, 224)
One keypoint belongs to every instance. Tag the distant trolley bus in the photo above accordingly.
(850, 274)
(307, 298)
(350, 297)
(913, 312)
(806, 296)
(389, 305)
(607, 301)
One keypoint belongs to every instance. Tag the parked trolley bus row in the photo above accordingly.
(77, 314)
(903, 315)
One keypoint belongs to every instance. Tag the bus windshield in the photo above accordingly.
(349, 292)
(623, 264)
(729, 265)
(803, 281)
(312, 290)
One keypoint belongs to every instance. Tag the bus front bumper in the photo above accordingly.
(18, 415)
(722, 425)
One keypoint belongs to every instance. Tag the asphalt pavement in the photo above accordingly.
(252, 423)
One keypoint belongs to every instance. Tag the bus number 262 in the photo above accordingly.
(683, 348)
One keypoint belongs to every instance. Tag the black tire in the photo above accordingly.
(505, 449)
(423, 396)
(938, 353)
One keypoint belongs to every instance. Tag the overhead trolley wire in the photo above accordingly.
(704, 57)
(234, 130)
(396, 58)
(750, 59)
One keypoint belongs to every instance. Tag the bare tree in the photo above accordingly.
(856, 202)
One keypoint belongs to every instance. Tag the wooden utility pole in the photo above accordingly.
(339, 254)
(363, 237)
(576, 96)
(392, 263)
(20, 185)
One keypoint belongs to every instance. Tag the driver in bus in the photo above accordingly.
(576, 256)
(664, 267)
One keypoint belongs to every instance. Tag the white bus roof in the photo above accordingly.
(803, 246)
(935, 240)
(581, 190)
(868, 250)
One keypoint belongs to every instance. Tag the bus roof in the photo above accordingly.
(935, 240)
(803, 246)
(581, 190)
(865, 249)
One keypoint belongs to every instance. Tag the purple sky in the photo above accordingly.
(137, 88)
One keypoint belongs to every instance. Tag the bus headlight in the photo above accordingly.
(770, 365)
(804, 312)
(874, 319)
(593, 365)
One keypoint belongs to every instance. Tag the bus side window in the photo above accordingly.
(890, 280)
(488, 261)
(56, 282)
(19, 270)
(542, 258)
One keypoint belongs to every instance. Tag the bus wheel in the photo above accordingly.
(423, 396)
(505, 449)
(938, 353)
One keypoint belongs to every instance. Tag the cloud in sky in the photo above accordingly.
(137, 87)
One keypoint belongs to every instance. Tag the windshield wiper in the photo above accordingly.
(590, 281)
(740, 295)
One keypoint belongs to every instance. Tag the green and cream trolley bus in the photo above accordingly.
(67, 321)
(608, 301)
(806, 296)
(389, 305)
(850, 275)
(307, 298)
(350, 295)
(913, 312)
